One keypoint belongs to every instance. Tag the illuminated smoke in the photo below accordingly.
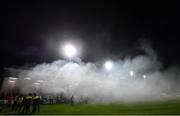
(87, 80)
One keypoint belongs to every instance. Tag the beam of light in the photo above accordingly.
(144, 76)
(131, 73)
(108, 65)
(12, 78)
(70, 51)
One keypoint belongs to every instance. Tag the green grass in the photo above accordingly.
(158, 107)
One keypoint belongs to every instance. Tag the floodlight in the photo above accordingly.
(131, 73)
(12, 78)
(144, 76)
(69, 51)
(11, 81)
(108, 65)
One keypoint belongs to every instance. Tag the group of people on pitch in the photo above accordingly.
(22, 104)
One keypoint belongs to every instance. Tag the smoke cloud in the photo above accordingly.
(98, 85)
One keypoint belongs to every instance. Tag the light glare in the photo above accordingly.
(40, 81)
(12, 78)
(108, 65)
(27, 78)
(36, 83)
(131, 73)
(144, 76)
(12, 81)
(70, 51)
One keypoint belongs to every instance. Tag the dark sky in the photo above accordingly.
(31, 31)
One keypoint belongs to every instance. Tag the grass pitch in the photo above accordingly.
(158, 107)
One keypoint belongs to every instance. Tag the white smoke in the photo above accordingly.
(88, 80)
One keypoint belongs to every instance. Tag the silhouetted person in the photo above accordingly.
(36, 103)
(9, 100)
(14, 104)
(72, 100)
(27, 103)
(19, 103)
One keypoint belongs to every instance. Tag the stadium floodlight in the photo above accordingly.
(131, 73)
(144, 76)
(40, 81)
(12, 81)
(12, 78)
(108, 65)
(36, 83)
(27, 78)
(69, 50)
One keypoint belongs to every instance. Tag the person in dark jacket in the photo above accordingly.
(19, 103)
(36, 103)
(27, 103)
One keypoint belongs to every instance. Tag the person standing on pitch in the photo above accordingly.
(14, 104)
(35, 103)
(19, 103)
(27, 103)
(72, 100)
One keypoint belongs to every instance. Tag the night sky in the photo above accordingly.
(31, 31)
